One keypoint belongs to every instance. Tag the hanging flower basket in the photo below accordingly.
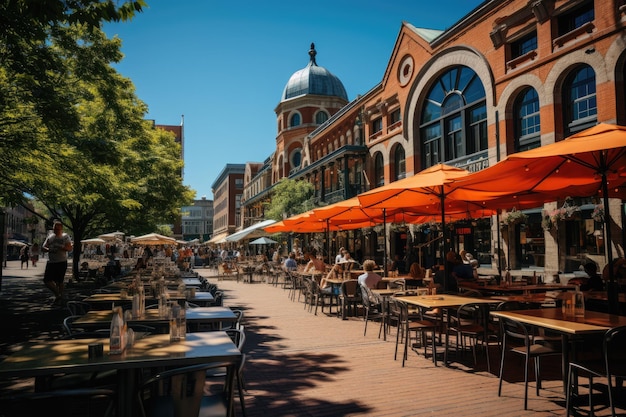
(514, 217)
(546, 222)
(567, 211)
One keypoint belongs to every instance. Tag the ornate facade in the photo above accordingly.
(508, 77)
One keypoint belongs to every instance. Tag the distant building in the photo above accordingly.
(197, 220)
(227, 192)
(179, 134)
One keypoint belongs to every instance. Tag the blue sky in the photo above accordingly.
(224, 64)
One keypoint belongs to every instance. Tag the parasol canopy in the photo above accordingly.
(153, 239)
(263, 241)
(93, 241)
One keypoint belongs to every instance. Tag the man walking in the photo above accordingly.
(57, 245)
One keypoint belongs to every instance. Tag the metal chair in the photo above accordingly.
(612, 365)
(349, 296)
(408, 324)
(374, 309)
(514, 331)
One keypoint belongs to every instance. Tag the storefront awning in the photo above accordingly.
(251, 232)
(219, 238)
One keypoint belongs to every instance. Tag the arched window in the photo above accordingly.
(579, 100)
(399, 164)
(321, 117)
(379, 170)
(295, 120)
(454, 117)
(296, 158)
(527, 126)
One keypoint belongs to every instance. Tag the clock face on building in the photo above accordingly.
(405, 71)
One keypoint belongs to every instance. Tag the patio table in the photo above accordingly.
(569, 327)
(443, 302)
(154, 351)
(215, 317)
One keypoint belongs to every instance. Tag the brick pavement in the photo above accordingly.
(305, 365)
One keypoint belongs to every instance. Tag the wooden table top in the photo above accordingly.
(71, 356)
(553, 319)
(151, 316)
(442, 301)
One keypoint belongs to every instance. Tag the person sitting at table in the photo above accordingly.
(369, 279)
(290, 263)
(314, 263)
(416, 271)
(348, 263)
(340, 256)
(398, 264)
(462, 271)
(594, 283)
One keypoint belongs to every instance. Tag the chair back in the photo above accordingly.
(350, 289)
(515, 330)
(176, 392)
(614, 346)
(370, 300)
(397, 284)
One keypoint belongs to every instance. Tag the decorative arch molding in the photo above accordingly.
(510, 92)
(452, 57)
(290, 116)
(563, 66)
(615, 56)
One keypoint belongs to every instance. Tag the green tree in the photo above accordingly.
(289, 197)
(114, 169)
(36, 97)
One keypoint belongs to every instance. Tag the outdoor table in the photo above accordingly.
(215, 317)
(109, 300)
(593, 323)
(202, 299)
(515, 288)
(71, 356)
(443, 302)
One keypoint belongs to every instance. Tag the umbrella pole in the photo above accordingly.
(328, 240)
(445, 243)
(612, 288)
(385, 242)
(499, 249)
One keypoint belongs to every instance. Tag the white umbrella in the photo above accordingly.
(153, 239)
(93, 241)
(263, 241)
(112, 236)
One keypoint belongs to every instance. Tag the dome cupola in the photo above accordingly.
(314, 80)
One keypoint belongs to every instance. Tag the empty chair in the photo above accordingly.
(407, 325)
(517, 335)
(612, 366)
(349, 297)
(469, 322)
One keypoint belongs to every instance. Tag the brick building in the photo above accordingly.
(508, 77)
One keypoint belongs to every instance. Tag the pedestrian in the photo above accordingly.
(57, 245)
(34, 254)
(24, 255)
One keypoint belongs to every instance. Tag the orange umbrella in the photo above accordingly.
(589, 163)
